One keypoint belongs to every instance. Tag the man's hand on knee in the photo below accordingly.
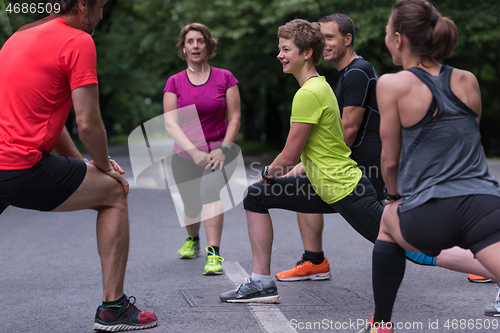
(115, 172)
(119, 177)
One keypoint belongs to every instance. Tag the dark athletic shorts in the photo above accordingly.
(44, 186)
(471, 222)
(198, 186)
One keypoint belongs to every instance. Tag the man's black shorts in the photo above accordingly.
(44, 186)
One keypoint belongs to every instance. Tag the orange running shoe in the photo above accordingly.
(306, 270)
(478, 279)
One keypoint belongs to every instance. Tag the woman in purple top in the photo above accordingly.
(202, 113)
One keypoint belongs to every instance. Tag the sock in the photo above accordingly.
(115, 304)
(196, 239)
(420, 258)
(315, 257)
(388, 269)
(216, 250)
(264, 279)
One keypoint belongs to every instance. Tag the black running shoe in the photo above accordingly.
(127, 318)
(249, 291)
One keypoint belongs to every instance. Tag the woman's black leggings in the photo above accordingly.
(360, 208)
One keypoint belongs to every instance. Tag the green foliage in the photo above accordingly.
(5, 27)
(478, 25)
(136, 54)
(16, 20)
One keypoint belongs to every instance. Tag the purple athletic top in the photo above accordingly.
(210, 101)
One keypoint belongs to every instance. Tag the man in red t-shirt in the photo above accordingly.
(45, 68)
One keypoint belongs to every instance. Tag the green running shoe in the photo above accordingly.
(190, 249)
(213, 264)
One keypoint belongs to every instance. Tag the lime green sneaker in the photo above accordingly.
(190, 249)
(213, 264)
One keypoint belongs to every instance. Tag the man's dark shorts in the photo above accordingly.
(44, 186)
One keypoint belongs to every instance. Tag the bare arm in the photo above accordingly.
(233, 114)
(465, 86)
(297, 170)
(288, 158)
(92, 132)
(390, 130)
(90, 126)
(172, 125)
(233, 125)
(352, 117)
(66, 147)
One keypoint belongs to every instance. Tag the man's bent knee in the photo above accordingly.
(116, 194)
(97, 190)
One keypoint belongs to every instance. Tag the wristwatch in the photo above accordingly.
(265, 171)
(224, 148)
(391, 197)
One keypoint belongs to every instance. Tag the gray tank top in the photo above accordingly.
(442, 155)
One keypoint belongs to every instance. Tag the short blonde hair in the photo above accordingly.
(210, 41)
(305, 35)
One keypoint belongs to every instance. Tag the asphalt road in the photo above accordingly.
(51, 279)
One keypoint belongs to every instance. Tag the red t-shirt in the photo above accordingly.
(39, 67)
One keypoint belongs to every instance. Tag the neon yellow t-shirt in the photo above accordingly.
(332, 173)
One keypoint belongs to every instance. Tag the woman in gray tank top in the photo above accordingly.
(439, 191)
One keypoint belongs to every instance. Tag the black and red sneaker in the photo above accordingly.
(127, 318)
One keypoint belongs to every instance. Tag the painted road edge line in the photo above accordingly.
(269, 316)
